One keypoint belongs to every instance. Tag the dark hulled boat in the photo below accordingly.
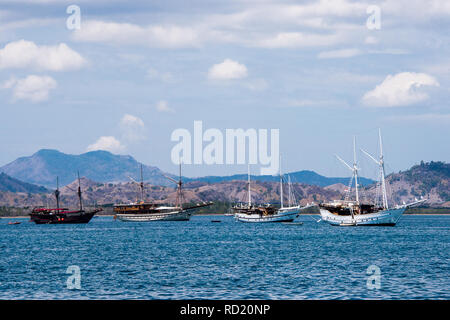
(59, 215)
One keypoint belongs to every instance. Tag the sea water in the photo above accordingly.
(198, 259)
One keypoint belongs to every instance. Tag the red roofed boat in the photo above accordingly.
(59, 215)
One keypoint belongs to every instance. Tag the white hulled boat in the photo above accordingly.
(141, 211)
(259, 214)
(354, 212)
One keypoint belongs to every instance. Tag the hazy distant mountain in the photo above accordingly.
(102, 166)
(10, 184)
(45, 165)
(304, 176)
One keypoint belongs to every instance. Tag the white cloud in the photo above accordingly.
(130, 120)
(107, 143)
(227, 70)
(170, 36)
(132, 128)
(163, 106)
(26, 54)
(401, 89)
(298, 39)
(33, 88)
(343, 53)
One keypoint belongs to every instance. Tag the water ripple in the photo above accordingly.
(200, 260)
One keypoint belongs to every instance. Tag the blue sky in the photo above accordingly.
(136, 71)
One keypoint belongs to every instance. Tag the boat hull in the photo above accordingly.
(388, 217)
(284, 216)
(184, 215)
(73, 218)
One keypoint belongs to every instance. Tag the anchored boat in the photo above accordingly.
(248, 212)
(59, 215)
(356, 213)
(141, 211)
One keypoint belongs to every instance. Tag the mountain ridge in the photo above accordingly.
(302, 176)
(45, 165)
(11, 184)
(431, 180)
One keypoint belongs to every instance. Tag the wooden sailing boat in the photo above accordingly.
(249, 212)
(141, 211)
(41, 215)
(260, 214)
(356, 213)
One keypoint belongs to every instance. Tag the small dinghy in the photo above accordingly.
(15, 222)
(216, 221)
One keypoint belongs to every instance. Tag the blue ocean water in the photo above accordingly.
(228, 260)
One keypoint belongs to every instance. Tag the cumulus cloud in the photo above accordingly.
(343, 53)
(33, 88)
(298, 39)
(107, 143)
(163, 106)
(401, 89)
(132, 128)
(130, 120)
(26, 54)
(171, 36)
(227, 70)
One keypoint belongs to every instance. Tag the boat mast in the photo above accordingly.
(382, 173)
(249, 190)
(380, 163)
(79, 191)
(355, 169)
(281, 186)
(289, 186)
(142, 186)
(179, 201)
(57, 193)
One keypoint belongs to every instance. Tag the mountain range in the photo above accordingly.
(44, 166)
(304, 176)
(431, 180)
(10, 184)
